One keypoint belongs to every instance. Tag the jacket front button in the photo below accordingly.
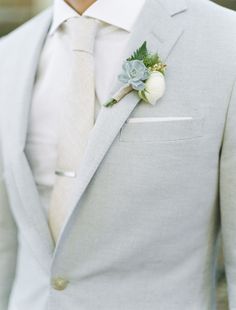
(59, 284)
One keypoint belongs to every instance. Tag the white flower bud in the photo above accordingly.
(154, 87)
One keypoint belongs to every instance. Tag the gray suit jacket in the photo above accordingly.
(152, 196)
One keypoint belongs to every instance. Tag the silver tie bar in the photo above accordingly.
(68, 174)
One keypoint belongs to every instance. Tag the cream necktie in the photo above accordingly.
(77, 119)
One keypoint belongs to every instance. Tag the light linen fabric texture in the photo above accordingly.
(142, 231)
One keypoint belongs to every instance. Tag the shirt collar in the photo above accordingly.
(119, 13)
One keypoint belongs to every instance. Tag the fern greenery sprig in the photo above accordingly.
(142, 54)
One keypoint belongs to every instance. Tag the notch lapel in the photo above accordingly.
(156, 26)
(17, 102)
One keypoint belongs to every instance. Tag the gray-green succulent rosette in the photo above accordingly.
(142, 72)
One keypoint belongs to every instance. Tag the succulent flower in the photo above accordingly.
(134, 74)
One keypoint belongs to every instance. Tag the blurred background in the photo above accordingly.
(15, 12)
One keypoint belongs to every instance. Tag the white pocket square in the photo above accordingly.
(157, 119)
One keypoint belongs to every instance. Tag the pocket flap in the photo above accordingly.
(161, 129)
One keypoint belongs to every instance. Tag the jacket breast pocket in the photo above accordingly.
(161, 129)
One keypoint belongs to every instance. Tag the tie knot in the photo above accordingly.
(82, 32)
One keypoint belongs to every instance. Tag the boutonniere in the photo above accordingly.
(142, 72)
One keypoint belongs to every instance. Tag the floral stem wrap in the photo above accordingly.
(122, 92)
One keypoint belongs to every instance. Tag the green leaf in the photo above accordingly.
(151, 59)
(142, 95)
(140, 54)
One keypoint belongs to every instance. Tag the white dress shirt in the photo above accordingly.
(117, 19)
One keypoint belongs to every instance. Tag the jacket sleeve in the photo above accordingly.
(228, 198)
(8, 245)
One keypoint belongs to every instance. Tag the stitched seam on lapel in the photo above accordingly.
(174, 7)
